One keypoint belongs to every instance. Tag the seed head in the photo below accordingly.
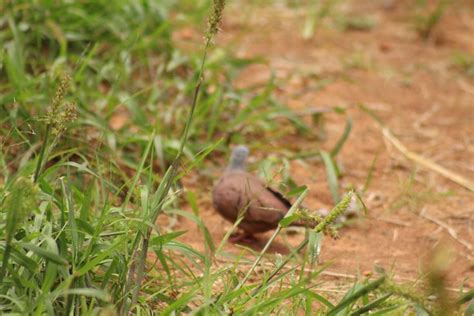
(337, 211)
(215, 18)
(59, 113)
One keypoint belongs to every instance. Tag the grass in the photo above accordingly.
(464, 62)
(320, 11)
(414, 198)
(79, 198)
(426, 18)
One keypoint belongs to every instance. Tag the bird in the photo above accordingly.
(240, 193)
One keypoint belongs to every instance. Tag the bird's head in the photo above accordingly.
(238, 158)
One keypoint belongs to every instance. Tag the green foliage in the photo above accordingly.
(81, 191)
(413, 198)
(464, 62)
(318, 11)
(356, 23)
(426, 19)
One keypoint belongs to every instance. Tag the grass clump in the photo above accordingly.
(464, 62)
(356, 23)
(426, 18)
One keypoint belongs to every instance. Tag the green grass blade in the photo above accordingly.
(139, 171)
(466, 297)
(48, 255)
(291, 211)
(69, 206)
(368, 307)
(353, 297)
(96, 293)
(345, 135)
(202, 227)
(100, 257)
(331, 173)
(179, 304)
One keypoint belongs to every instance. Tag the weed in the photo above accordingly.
(426, 20)
(413, 198)
(359, 59)
(317, 13)
(463, 62)
(355, 23)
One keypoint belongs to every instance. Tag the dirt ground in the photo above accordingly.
(413, 86)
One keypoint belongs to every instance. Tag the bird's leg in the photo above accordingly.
(241, 237)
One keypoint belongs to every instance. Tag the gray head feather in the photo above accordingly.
(238, 158)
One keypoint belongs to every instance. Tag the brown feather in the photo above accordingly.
(238, 191)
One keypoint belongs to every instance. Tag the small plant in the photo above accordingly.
(413, 198)
(359, 59)
(59, 114)
(425, 22)
(356, 23)
(463, 62)
(319, 11)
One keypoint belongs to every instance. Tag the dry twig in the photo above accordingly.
(468, 184)
(392, 221)
(451, 231)
(427, 163)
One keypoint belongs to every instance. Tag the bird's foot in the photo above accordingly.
(242, 238)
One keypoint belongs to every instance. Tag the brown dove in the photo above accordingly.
(239, 192)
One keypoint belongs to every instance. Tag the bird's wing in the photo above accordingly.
(281, 197)
(264, 205)
(239, 192)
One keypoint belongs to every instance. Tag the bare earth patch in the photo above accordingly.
(413, 86)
